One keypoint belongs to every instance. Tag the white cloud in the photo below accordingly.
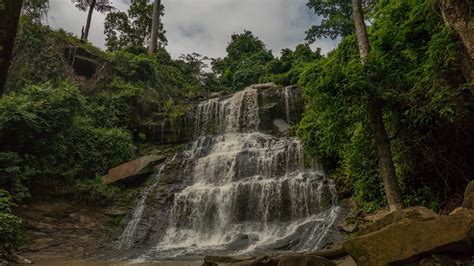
(205, 26)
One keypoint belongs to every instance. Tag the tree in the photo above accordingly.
(336, 18)
(133, 28)
(155, 26)
(9, 16)
(245, 63)
(102, 6)
(35, 9)
(375, 110)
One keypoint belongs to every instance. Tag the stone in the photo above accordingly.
(131, 169)
(218, 260)
(412, 238)
(428, 261)
(469, 196)
(304, 260)
(84, 62)
(348, 227)
(265, 261)
(20, 259)
(264, 86)
(43, 240)
(282, 125)
(413, 213)
(346, 261)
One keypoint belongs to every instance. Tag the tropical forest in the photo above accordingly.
(225, 132)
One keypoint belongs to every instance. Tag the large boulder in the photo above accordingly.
(304, 260)
(469, 196)
(412, 213)
(410, 239)
(131, 169)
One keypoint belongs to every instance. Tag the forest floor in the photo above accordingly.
(61, 233)
(60, 229)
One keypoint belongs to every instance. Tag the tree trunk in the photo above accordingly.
(89, 17)
(460, 17)
(361, 31)
(9, 15)
(155, 27)
(375, 110)
(382, 142)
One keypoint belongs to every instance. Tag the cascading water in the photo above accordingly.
(247, 191)
(125, 240)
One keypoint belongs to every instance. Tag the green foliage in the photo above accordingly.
(249, 62)
(9, 226)
(50, 139)
(336, 19)
(38, 58)
(414, 68)
(35, 9)
(131, 29)
(245, 62)
(93, 191)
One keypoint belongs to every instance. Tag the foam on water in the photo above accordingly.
(249, 191)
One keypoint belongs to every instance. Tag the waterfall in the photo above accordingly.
(127, 237)
(245, 190)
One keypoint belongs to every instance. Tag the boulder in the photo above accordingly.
(345, 261)
(469, 196)
(219, 260)
(412, 238)
(282, 125)
(304, 260)
(20, 259)
(412, 213)
(131, 169)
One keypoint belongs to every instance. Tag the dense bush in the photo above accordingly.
(414, 68)
(48, 138)
(10, 233)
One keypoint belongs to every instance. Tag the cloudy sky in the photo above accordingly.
(205, 26)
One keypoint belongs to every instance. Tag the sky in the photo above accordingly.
(205, 26)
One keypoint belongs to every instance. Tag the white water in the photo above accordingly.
(127, 237)
(248, 190)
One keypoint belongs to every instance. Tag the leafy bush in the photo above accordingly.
(414, 68)
(9, 226)
(50, 139)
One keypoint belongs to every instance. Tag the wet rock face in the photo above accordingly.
(240, 186)
(274, 106)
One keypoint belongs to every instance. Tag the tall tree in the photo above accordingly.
(245, 63)
(155, 26)
(132, 28)
(102, 6)
(335, 18)
(375, 110)
(9, 15)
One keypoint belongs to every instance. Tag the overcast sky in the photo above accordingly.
(205, 26)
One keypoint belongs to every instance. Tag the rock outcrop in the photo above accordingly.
(413, 235)
(469, 196)
(131, 169)
(283, 260)
(83, 62)
(279, 108)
